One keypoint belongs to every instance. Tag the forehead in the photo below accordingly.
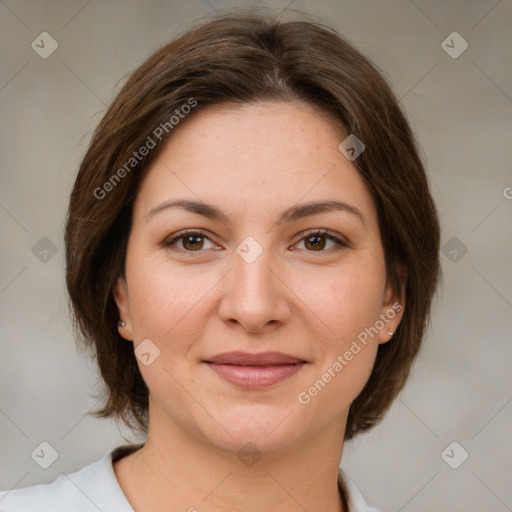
(253, 133)
(254, 157)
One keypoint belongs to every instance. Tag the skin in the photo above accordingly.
(252, 162)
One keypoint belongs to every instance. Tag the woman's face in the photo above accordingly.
(202, 308)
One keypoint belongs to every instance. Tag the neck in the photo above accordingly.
(178, 471)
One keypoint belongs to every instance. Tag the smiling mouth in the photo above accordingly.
(254, 371)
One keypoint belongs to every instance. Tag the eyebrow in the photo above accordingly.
(291, 214)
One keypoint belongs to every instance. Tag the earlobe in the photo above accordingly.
(120, 293)
(391, 317)
(393, 306)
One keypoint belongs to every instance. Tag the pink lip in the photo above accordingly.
(254, 371)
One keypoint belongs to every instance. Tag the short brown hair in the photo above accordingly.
(244, 57)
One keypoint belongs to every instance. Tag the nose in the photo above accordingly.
(254, 294)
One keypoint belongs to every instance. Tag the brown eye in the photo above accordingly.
(192, 241)
(316, 241)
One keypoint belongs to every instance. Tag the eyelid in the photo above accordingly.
(339, 240)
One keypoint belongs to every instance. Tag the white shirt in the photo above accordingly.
(95, 488)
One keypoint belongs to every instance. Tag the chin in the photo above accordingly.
(266, 427)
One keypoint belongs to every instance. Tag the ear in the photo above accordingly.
(121, 297)
(393, 306)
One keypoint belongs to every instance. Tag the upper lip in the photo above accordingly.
(248, 359)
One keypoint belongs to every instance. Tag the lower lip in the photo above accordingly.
(255, 377)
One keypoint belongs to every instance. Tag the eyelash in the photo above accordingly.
(319, 232)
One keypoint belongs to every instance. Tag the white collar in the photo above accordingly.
(356, 502)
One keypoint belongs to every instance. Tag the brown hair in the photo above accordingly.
(243, 57)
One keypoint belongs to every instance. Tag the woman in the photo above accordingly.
(252, 251)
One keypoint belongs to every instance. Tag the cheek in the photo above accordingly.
(163, 298)
(350, 307)
(348, 302)
(346, 364)
(345, 376)
(167, 309)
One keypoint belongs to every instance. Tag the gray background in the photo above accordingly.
(461, 110)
